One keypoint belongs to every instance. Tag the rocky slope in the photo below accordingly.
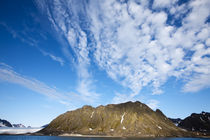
(197, 122)
(126, 119)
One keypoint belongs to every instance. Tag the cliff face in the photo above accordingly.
(197, 122)
(126, 119)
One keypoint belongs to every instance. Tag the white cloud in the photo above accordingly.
(207, 42)
(134, 44)
(153, 104)
(53, 57)
(163, 3)
(65, 22)
(7, 74)
(197, 83)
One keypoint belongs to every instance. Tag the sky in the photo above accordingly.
(58, 55)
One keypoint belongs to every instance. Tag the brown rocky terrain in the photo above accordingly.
(131, 119)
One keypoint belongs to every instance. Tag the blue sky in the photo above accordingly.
(59, 55)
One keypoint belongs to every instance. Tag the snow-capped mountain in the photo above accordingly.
(18, 125)
(5, 123)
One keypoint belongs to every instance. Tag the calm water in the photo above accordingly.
(77, 138)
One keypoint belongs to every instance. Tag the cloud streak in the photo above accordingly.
(137, 44)
(53, 57)
(24, 37)
(65, 22)
(7, 74)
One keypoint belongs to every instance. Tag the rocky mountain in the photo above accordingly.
(197, 122)
(126, 119)
(176, 121)
(5, 123)
(19, 125)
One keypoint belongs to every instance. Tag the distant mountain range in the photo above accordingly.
(5, 123)
(175, 121)
(19, 125)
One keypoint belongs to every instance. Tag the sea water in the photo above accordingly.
(21, 137)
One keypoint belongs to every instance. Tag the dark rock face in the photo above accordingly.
(126, 119)
(5, 123)
(196, 122)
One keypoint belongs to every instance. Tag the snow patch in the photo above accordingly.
(111, 129)
(92, 115)
(209, 118)
(203, 113)
(122, 118)
(124, 127)
(2, 125)
(202, 119)
(159, 127)
(90, 129)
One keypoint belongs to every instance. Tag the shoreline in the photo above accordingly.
(108, 136)
(101, 136)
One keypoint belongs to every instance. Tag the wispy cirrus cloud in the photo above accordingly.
(53, 57)
(138, 44)
(8, 74)
(65, 21)
(24, 36)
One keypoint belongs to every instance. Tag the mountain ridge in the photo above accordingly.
(5, 123)
(126, 119)
(199, 122)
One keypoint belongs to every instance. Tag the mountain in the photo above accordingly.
(197, 122)
(19, 125)
(126, 119)
(5, 123)
(176, 121)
